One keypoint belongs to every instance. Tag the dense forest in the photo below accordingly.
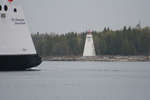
(126, 41)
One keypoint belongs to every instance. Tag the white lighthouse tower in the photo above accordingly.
(89, 49)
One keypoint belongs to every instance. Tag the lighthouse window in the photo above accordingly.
(15, 10)
(0, 7)
(5, 8)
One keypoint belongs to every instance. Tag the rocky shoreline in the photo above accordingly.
(100, 58)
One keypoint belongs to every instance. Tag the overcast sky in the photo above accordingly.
(81, 15)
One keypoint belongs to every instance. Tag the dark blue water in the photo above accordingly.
(78, 81)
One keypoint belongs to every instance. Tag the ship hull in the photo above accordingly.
(19, 62)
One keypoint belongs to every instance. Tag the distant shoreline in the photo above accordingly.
(100, 58)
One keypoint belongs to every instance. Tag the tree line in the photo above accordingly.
(126, 41)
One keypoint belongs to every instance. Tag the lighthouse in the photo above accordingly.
(17, 50)
(89, 49)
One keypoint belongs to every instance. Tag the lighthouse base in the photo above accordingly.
(19, 62)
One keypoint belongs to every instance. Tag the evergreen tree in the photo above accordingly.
(128, 41)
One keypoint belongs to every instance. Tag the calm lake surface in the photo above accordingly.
(78, 81)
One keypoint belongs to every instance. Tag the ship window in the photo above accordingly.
(0, 7)
(5, 8)
(15, 10)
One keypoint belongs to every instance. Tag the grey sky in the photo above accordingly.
(81, 15)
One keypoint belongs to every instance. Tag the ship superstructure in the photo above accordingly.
(16, 46)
